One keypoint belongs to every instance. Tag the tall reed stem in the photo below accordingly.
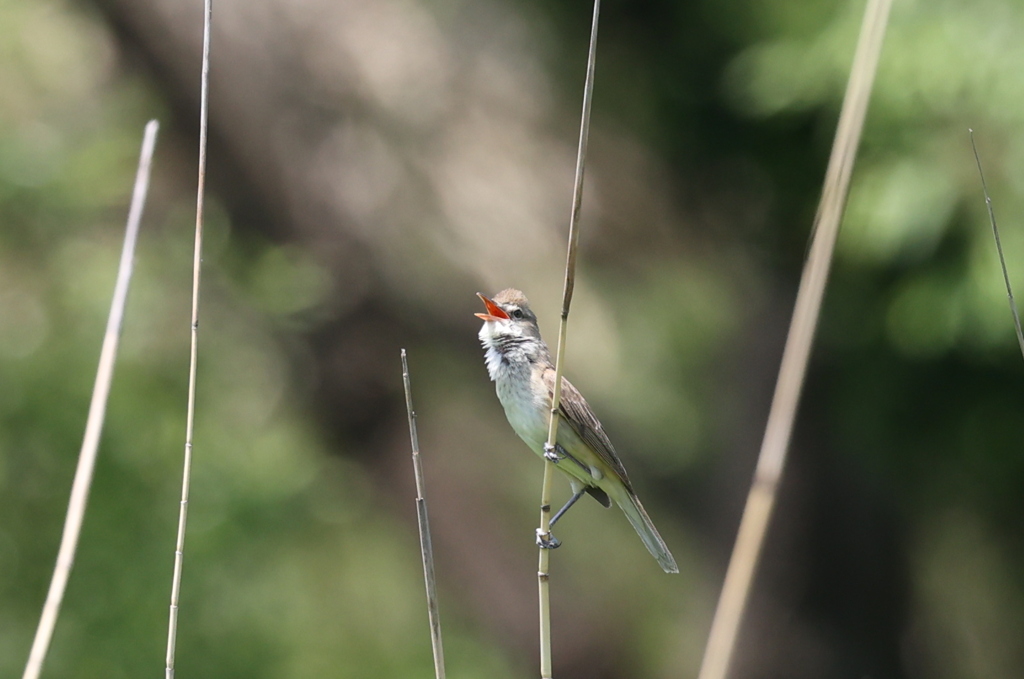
(544, 532)
(771, 460)
(426, 545)
(999, 248)
(97, 413)
(197, 262)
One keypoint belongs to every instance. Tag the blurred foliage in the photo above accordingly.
(917, 382)
(309, 577)
(919, 377)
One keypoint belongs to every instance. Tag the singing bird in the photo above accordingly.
(519, 364)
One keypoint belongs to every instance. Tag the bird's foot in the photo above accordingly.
(551, 454)
(547, 540)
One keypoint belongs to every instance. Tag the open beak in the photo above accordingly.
(494, 312)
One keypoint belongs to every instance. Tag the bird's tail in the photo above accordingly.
(634, 511)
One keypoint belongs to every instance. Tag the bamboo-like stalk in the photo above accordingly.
(544, 532)
(999, 247)
(97, 412)
(197, 261)
(426, 546)
(772, 458)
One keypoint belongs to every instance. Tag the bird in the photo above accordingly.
(519, 363)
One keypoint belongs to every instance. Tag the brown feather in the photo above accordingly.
(575, 410)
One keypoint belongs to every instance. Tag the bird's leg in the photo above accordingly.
(568, 504)
(549, 541)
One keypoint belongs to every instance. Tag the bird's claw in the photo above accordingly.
(547, 540)
(551, 454)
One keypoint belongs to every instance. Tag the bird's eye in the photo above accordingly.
(517, 313)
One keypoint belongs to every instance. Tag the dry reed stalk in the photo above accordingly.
(97, 412)
(197, 260)
(426, 545)
(999, 247)
(771, 460)
(544, 532)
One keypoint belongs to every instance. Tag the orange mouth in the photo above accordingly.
(494, 312)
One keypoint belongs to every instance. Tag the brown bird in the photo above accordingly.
(520, 365)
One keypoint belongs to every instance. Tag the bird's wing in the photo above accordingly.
(576, 411)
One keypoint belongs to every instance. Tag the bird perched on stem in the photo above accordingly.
(520, 365)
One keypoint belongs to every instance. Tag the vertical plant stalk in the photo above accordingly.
(97, 412)
(426, 546)
(197, 261)
(999, 247)
(543, 577)
(772, 458)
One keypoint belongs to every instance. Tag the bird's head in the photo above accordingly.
(508, 321)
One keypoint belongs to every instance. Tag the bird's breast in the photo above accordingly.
(525, 407)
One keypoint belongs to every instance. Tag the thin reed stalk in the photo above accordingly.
(544, 532)
(426, 545)
(97, 413)
(771, 460)
(999, 247)
(197, 261)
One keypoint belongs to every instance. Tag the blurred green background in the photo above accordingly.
(374, 163)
